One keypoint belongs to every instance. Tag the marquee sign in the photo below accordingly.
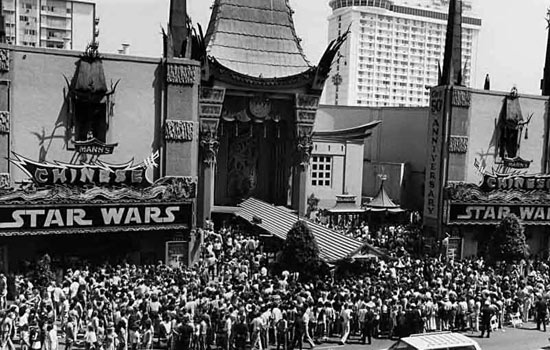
(461, 213)
(516, 182)
(97, 174)
(94, 217)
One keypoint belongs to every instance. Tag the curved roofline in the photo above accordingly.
(296, 38)
(300, 79)
(351, 132)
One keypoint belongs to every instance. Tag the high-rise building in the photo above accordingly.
(393, 51)
(62, 24)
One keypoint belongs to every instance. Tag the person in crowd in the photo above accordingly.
(241, 302)
(541, 309)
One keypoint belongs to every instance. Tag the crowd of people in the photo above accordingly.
(231, 299)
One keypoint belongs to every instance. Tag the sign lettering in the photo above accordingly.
(435, 145)
(519, 182)
(494, 213)
(97, 174)
(67, 216)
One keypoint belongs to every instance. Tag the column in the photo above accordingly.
(211, 105)
(306, 111)
(5, 128)
(5, 117)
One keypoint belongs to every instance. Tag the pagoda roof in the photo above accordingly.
(383, 202)
(255, 38)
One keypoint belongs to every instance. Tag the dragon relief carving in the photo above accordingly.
(243, 167)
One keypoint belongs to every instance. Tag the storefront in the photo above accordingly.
(97, 213)
(487, 159)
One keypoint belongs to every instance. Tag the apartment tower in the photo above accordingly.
(394, 51)
(62, 24)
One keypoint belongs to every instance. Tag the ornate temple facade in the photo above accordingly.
(258, 102)
(122, 158)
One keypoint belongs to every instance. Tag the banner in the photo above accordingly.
(473, 214)
(435, 154)
(68, 217)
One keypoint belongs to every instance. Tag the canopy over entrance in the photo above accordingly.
(345, 204)
(333, 246)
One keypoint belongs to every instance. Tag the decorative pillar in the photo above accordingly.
(5, 117)
(210, 110)
(306, 110)
(180, 126)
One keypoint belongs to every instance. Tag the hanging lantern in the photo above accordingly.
(277, 118)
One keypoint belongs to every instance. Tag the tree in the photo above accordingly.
(300, 252)
(507, 242)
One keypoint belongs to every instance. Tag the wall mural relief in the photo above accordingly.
(242, 166)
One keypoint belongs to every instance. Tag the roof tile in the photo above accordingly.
(255, 38)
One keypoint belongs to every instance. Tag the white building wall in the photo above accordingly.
(391, 56)
(346, 171)
(83, 25)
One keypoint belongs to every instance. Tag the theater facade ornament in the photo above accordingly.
(181, 74)
(4, 60)
(179, 130)
(4, 122)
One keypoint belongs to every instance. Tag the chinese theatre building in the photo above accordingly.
(487, 158)
(99, 159)
(258, 105)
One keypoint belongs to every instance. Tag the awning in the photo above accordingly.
(333, 246)
(345, 204)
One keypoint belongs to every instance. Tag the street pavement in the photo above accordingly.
(523, 338)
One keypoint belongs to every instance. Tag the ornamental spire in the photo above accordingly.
(545, 83)
(177, 28)
(452, 62)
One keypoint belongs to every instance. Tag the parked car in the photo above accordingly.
(436, 341)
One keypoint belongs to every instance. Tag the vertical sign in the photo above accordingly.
(435, 154)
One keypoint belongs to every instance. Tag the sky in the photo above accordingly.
(511, 49)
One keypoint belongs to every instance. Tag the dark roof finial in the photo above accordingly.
(452, 62)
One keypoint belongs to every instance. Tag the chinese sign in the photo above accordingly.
(98, 174)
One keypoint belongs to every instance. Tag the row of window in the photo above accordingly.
(321, 171)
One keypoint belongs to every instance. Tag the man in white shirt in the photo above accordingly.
(345, 315)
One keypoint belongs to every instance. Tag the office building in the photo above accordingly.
(393, 51)
(62, 24)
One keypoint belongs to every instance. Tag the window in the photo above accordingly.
(321, 171)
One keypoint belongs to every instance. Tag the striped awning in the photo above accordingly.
(333, 246)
